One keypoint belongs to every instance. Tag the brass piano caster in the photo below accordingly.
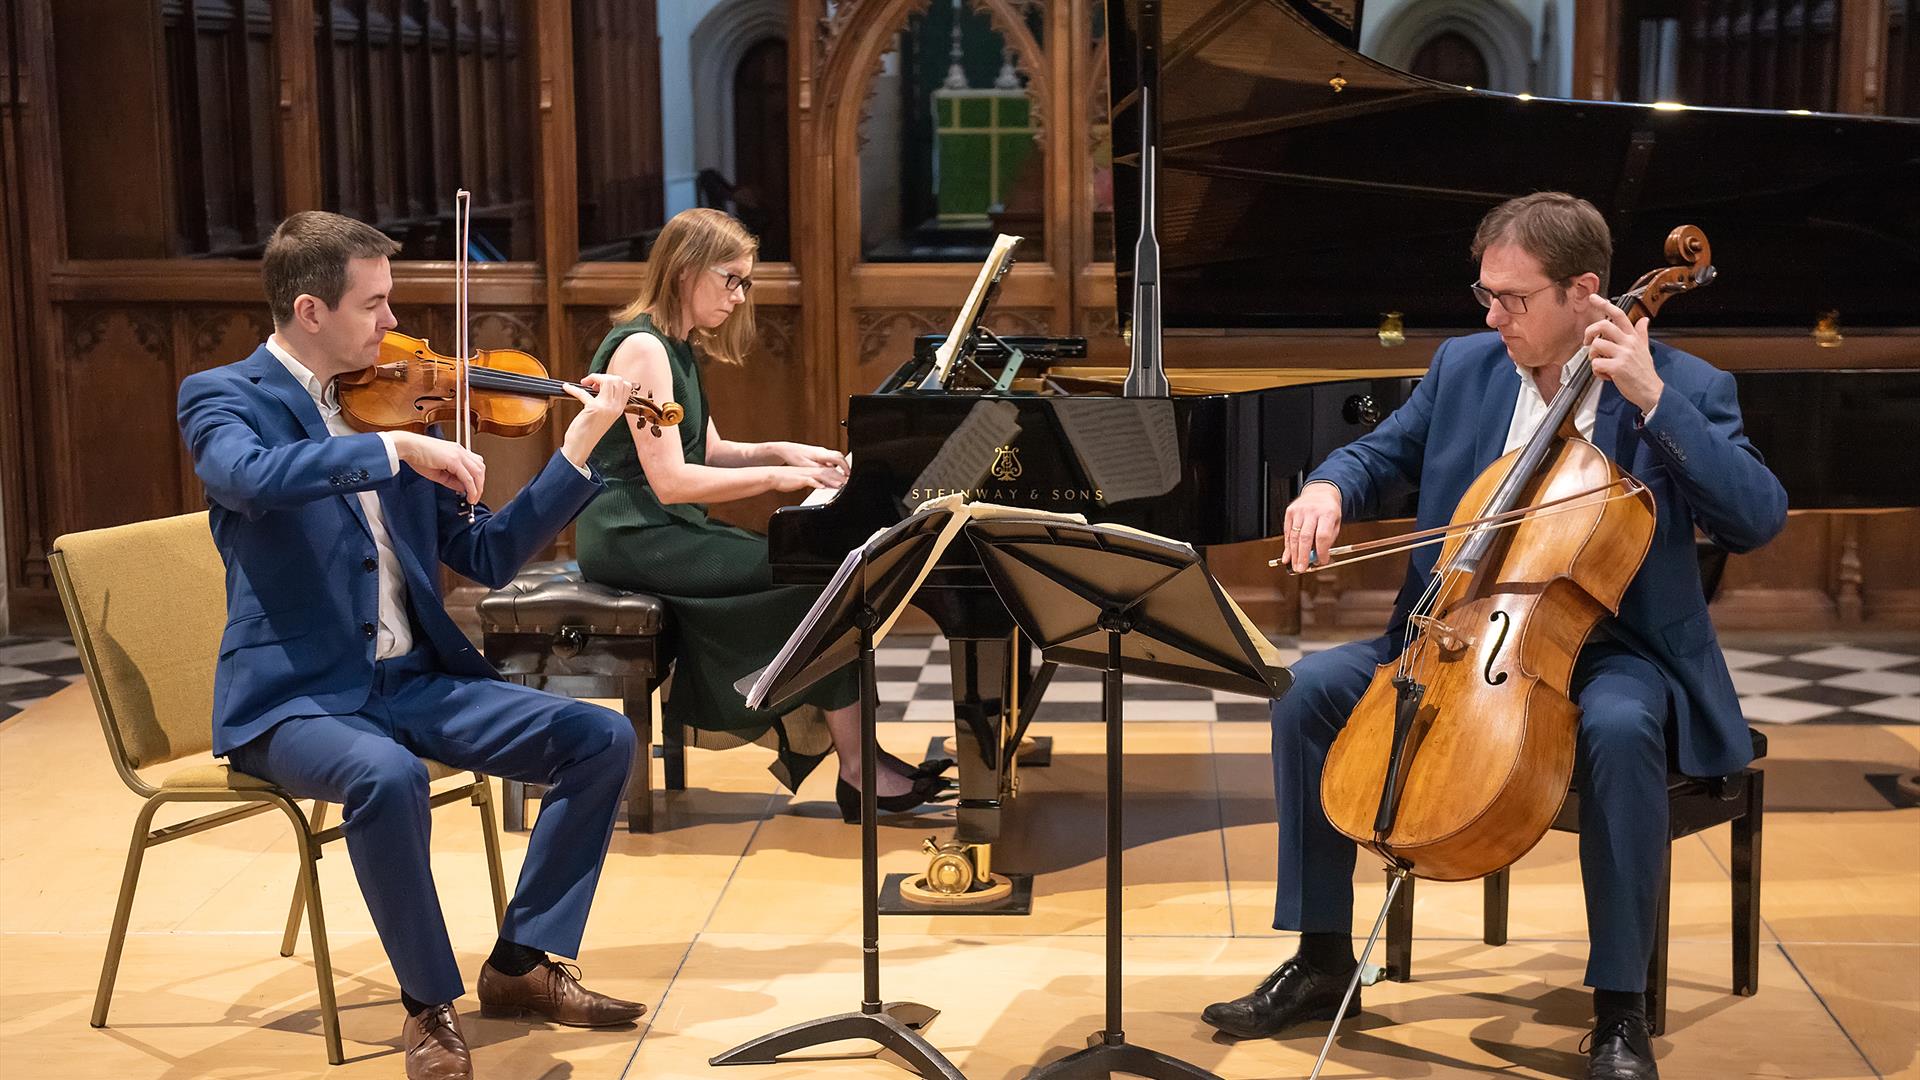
(957, 873)
(950, 870)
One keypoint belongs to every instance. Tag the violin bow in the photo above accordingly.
(462, 362)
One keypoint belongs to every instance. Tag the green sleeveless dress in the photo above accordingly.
(728, 618)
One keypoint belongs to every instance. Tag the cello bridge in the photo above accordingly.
(1445, 635)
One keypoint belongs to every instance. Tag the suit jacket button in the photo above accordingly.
(368, 628)
(369, 565)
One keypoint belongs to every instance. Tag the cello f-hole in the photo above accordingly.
(1487, 673)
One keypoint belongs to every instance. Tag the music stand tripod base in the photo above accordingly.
(895, 1028)
(1120, 601)
(842, 625)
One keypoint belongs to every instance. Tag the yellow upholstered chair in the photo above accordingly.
(147, 604)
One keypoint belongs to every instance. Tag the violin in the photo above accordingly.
(412, 387)
(1459, 754)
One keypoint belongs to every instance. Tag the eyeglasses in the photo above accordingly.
(734, 281)
(1513, 302)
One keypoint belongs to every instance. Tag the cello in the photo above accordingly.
(1459, 754)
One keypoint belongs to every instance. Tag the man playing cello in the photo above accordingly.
(1649, 683)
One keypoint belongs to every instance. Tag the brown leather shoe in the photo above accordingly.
(434, 1047)
(553, 991)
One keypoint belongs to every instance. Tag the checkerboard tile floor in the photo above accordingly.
(32, 668)
(1781, 681)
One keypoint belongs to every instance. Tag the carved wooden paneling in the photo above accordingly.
(616, 61)
(387, 104)
(886, 340)
(110, 91)
(121, 461)
(1009, 320)
(222, 88)
(761, 400)
(1751, 53)
(418, 100)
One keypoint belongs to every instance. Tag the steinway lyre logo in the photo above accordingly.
(1006, 464)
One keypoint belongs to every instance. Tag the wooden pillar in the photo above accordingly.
(1596, 49)
(300, 187)
(1863, 57)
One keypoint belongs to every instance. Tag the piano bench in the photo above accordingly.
(1693, 805)
(552, 630)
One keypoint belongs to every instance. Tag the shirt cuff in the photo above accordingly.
(577, 467)
(393, 452)
(1648, 415)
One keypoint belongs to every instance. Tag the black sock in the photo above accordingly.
(1612, 1006)
(511, 959)
(413, 1005)
(1327, 951)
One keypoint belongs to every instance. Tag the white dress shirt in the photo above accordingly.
(395, 637)
(1529, 408)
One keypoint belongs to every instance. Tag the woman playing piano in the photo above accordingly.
(649, 531)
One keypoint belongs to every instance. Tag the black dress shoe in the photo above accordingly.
(924, 789)
(1622, 1050)
(1294, 993)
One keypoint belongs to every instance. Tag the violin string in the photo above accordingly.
(511, 381)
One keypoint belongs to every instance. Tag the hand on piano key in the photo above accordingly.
(823, 496)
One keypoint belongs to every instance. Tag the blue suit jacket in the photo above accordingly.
(302, 577)
(1693, 456)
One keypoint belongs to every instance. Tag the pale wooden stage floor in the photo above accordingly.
(742, 916)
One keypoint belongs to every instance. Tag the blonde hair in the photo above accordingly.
(695, 241)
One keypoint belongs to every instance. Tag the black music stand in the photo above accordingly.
(871, 587)
(1116, 599)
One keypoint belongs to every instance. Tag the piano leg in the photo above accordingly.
(980, 669)
(983, 726)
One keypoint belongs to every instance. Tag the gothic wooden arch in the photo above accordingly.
(846, 50)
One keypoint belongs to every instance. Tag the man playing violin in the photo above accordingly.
(1649, 683)
(340, 669)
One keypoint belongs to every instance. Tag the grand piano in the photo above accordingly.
(1300, 190)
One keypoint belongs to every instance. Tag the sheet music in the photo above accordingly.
(759, 685)
(963, 460)
(763, 679)
(969, 315)
(1128, 448)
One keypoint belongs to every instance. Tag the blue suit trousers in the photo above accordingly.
(1620, 769)
(369, 763)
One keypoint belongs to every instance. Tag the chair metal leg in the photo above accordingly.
(490, 836)
(1495, 889)
(1400, 931)
(673, 751)
(1746, 888)
(299, 897)
(513, 793)
(636, 702)
(317, 928)
(1657, 964)
(122, 912)
(513, 805)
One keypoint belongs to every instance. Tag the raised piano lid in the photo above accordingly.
(1286, 203)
